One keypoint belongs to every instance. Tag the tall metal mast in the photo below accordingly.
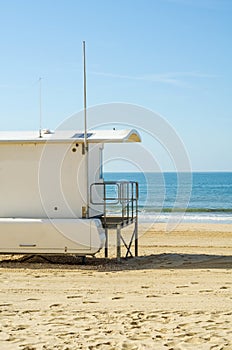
(85, 134)
(85, 114)
(40, 107)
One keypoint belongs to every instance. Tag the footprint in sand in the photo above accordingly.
(180, 325)
(29, 311)
(193, 341)
(170, 345)
(139, 336)
(20, 328)
(129, 346)
(151, 317)
(54, 305)
(115, 298)
(90, 302)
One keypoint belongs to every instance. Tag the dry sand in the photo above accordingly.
(176, 295)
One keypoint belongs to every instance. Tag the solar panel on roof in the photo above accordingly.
(81, 136)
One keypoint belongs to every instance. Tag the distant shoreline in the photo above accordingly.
(189, 210)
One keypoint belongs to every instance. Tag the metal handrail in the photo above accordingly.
(126, 198)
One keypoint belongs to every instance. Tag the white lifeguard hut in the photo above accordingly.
(53, 196)
(54, 199)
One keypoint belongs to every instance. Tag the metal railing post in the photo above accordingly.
(136, 221)
(106, 242)
(118, 242)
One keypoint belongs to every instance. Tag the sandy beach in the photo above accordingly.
(176, 295)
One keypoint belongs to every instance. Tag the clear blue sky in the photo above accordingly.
(171, 56)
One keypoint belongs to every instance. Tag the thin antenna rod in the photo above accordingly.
(40, 107)
(85, 113)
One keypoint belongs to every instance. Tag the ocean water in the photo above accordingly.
(187, 197)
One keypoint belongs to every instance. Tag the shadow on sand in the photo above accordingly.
(155, 261)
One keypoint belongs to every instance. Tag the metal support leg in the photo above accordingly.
(136, 237)
(127, 246)
(106, 243)
(118, 242)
